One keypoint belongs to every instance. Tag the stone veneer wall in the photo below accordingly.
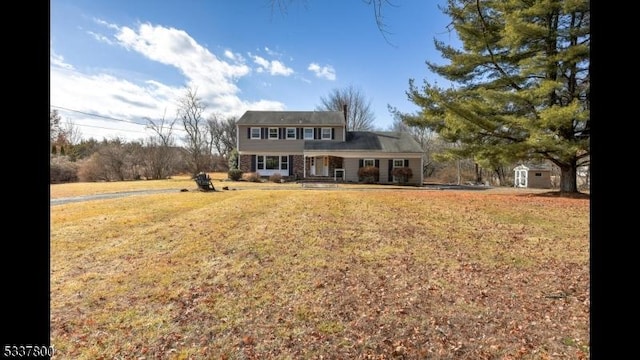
(334, 163)
(245, 163)
(297, 167)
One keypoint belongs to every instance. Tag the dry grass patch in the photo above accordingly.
(292, 274)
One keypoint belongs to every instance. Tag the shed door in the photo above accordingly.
(521, 178)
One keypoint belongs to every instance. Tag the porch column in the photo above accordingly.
(304, 166)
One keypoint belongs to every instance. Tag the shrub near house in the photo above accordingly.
(402, 174)
(369, 174)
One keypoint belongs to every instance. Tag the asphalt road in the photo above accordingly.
(310, 186)
(61, 201)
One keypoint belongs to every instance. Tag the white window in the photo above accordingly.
(326, 133)
(273, 133)
(255, 133)
(272, 162)
(398, 163)
(308, 133)
(368, 162)
(291, 133)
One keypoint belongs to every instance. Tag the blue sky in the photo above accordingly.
(115, 63)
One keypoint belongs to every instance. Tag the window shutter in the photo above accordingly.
(390, 168)
(315, 133)
(248, 133)
(290, 165)
(333, 133)
(253, 163)
(298, 133)
(282, 133)
(360, 163)
(377, 162)
(406, 162)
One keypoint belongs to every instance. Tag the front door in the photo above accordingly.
(312, 166)
(325, 166)
(319, 165)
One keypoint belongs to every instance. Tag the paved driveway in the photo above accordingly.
(61, 201)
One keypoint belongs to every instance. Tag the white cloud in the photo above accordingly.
(100, 37)
(326, 72)
(278, 68)
(176, 48)
(104, 104)
(114, 97)
(267, 105)
(237, 57)
(273, 67)
(58, 60)
(106, 24)
(271, 52)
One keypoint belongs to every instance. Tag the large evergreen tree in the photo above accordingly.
(520, 84)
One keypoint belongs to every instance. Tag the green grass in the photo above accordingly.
(299, 274)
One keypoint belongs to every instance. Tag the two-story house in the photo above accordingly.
(313, 144)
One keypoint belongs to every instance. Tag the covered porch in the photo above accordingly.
(323, 166)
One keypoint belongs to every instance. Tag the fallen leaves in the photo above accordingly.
(333, 275)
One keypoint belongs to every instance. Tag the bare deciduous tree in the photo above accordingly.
(72, 134)
(63, 136)
(54, 126)
(222, 133)
(359, 113)
(190, 110)
(111, 158)
(159, 155)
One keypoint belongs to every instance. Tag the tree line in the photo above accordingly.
(209, 146)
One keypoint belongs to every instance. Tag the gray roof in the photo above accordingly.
(383, 141)
(278, 118)
(536, 167)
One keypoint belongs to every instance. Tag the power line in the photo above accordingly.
(107, 128)
(96, 115)
(107, 118)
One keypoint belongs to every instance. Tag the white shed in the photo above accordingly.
(529, 177)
